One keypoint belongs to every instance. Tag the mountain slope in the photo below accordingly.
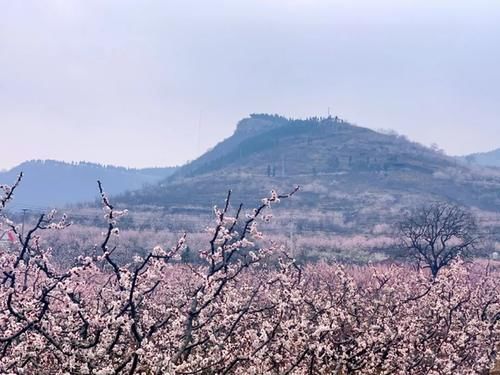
(351, 170)
(53, 183)
(353, 179)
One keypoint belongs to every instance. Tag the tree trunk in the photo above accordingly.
(496, 369)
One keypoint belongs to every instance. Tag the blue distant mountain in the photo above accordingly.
(50, 183)
(487, 159)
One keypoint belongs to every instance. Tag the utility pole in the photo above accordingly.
(283, 165)
(198, 141)
(24, 217)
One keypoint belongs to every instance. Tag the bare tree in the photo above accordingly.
(438, 233)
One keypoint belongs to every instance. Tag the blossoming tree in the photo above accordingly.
(245, 308)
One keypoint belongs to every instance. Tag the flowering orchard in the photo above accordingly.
(245, 310)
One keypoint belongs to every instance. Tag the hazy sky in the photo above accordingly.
(150, 83)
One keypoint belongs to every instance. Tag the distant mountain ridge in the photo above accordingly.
(487, 159)
(50, 183)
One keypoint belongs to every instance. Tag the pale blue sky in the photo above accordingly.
(126, 82)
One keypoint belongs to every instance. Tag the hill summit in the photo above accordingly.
(311, 147)
(353, 171)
